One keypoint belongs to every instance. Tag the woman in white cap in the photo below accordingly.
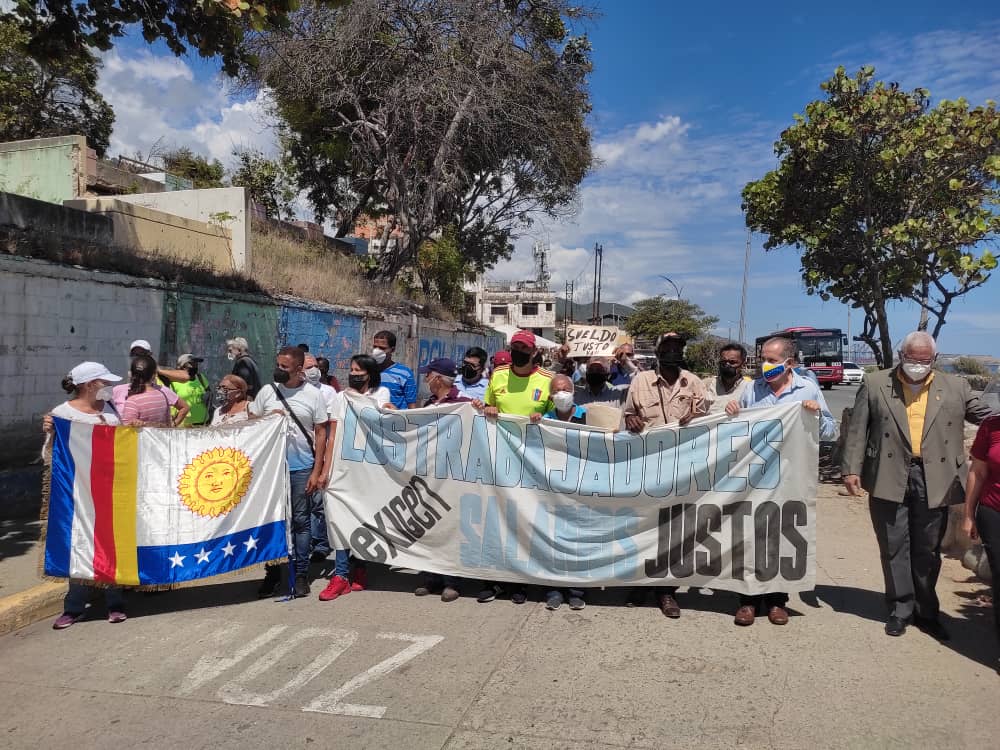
(89, 386)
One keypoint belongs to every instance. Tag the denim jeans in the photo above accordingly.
(78, 596)
(317, 521)
(988, 525)
(301, 514)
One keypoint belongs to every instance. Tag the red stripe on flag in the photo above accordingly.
(102, 480)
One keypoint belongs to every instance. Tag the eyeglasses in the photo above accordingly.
(918, 361)
(467, 363)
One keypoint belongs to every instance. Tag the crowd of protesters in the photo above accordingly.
(909, 491)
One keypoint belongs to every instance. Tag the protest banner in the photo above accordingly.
(594, 341)
(153, 506)
(723, 503)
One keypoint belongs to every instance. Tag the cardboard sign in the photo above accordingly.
(595, 341)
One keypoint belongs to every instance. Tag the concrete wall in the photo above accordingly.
(47, 169)
(207, 206)
(157, 232)
(30, 214)
(52, 317)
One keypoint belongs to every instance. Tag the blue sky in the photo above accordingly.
(688, 100)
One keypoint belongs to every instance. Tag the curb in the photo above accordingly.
(27, 607)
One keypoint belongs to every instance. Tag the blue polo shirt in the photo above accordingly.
(476, 391)
(402, 386)
(579, 415)
(801, 389)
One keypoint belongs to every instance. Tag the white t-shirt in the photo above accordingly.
(307, 403)
(65, 411)
(240, 415)
(379, 397)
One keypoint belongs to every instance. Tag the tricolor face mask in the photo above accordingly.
(771, 371)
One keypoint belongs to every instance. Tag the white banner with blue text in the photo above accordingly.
(724, 503)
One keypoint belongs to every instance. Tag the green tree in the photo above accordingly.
(269, 182)
(41, 98)
(57, 29)
(442, 269)
(702, 356)
(660, 315)
(886, 198)
(439, 113)
(183, 162)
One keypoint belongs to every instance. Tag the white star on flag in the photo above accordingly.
(177, 561)
(202, 555)
(250, 544)
(227, 551)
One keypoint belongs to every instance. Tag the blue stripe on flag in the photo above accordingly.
(187, 562)
(59, 534)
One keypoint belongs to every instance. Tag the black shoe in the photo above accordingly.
(269, 586)
(319, 556)
(489, 593)
(636, 597)
(301, 586)
(895, 626)
(519, 596)
(933, 628)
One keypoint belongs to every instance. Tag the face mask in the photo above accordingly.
(358, 382)
(596, 378)
(313, 375)
(916, 371)
(282, 376)
(378, 355)
(231, 356)
(771, 372)
(105, 393)
(519, 359)
(192, 370)
(628, 364)
(668, 364)
(563, 400)
(221, 397)
(727, 370)
(671, 358)
(469, 373)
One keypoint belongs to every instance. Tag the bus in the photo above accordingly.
(821, 350)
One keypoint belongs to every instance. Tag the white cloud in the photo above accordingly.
(160, 97)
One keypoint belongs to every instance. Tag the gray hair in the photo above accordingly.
(788, 348)
(239, 343)
(449, 379)
(918, 338)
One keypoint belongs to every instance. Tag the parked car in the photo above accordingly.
(853, 373)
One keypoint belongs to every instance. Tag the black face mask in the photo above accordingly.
(669, 363)
(519, 359)
(282, 376)
(727, 370)
(596, 379)
(470, 373)
(358, 382)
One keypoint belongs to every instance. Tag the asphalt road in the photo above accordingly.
(840, 397)
(213, 667)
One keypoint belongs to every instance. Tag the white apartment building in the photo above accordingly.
(506, 305)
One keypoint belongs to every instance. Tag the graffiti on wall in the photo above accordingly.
(334, 335)
(201, 326)
(455, 345)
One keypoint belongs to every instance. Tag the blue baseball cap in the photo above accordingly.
(442, 366)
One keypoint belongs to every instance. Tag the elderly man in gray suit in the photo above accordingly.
(905, 445)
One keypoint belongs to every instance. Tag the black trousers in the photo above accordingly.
(909, 539)
(988, 524)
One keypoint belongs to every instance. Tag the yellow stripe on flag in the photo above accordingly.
(123, 494)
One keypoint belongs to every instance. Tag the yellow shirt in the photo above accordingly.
(916, 408)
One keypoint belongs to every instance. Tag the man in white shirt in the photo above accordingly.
(730, 383)
(305, 454)
(314, 376)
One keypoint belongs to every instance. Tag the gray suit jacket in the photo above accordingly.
(878, 440)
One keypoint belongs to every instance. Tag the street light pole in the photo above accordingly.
(677, 289)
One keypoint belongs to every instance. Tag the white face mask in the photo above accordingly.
(312, 375)
(916, 371)
(378, 355)
(105, 393)
(563, 400)
(231, 356)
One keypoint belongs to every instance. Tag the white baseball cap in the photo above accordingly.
(140, 344)
(88, 371)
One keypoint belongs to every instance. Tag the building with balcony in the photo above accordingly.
(511, 305)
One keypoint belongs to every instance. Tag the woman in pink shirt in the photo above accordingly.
(147, 405)
(982, 501)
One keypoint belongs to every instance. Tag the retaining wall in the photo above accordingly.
(54, 316)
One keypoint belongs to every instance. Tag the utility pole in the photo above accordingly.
(598, 270)
(743, 298)
(568, 308)
(600, 278)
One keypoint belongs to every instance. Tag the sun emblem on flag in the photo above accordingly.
(215, 481)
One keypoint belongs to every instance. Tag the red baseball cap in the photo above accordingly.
(501, 358)
(523, 337)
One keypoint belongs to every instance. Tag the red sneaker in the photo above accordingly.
(336, 587)
(359, 579)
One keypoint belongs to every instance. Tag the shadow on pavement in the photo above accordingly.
(18, 537)
(972, 635)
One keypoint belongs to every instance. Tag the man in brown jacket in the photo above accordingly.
(905, 445)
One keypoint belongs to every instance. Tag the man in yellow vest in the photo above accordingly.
(195, 391)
